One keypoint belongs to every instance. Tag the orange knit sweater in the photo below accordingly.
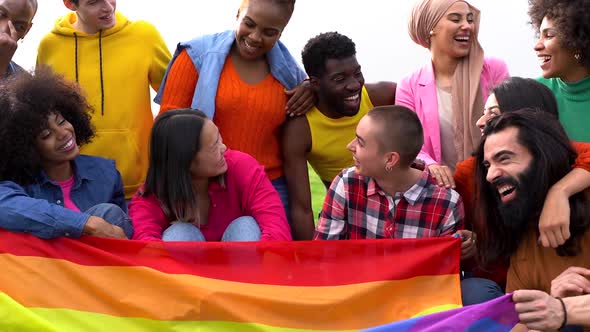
(249, 117)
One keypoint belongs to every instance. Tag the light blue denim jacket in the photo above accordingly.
(38, 208)
(208, 54)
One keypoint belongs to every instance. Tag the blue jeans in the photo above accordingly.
(479, 290)
(241, 229)
(280, 185)
(113, 214)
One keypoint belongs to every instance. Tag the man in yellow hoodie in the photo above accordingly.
(114, 60)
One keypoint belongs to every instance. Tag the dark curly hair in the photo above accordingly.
(571, 19)
(328, 45)
(26, 102)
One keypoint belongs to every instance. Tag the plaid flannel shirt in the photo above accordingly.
(356, 208)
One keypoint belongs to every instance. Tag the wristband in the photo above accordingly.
(564, 313)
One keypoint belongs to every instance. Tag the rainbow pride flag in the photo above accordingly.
(96, 284)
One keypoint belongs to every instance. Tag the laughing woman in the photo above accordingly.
(198, 190)
(239, 78)
(448, 93)
(46, 187)
(563, 50)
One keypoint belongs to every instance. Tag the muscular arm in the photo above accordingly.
(381, 93)
(296, 144)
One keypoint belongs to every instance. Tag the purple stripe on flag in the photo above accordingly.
(497, 315)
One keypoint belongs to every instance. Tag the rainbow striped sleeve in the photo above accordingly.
(96, 284)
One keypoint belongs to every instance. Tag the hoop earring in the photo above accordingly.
(388, 168)
(578, 56)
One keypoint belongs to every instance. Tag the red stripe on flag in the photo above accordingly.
(308, 263)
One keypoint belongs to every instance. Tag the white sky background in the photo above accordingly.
(378, 27)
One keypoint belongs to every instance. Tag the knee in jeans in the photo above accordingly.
(244, 228)
(114, 215)
(182, 231)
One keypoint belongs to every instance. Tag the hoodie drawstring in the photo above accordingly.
(101, 78)
(76, 54)
(100, 67)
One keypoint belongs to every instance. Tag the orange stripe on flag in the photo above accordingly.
(144, 292)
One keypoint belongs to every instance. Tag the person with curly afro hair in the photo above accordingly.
(46, 187)
(563, 50)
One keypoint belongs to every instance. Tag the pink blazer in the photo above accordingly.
(418, 92)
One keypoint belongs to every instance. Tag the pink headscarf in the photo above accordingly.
(466, 91)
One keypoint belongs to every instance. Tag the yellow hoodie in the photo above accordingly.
(115, 69)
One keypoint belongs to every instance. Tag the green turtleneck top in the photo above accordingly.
(573, 101)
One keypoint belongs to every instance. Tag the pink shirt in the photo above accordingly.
(418, 92)
(247, 192)
(66, 188)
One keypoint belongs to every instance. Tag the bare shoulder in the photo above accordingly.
(381, 93)
(296, 133)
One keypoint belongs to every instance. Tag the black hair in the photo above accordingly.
(26, 102)
(174, 141)
(401, 131)
(553, 157)
(571, 19)
(328, 45)
(516, 93)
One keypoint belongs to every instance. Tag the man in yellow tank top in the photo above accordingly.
(320, 137)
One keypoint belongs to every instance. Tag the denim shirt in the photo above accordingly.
(38, 208)
(208, 54)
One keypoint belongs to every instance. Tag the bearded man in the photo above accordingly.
(521, 156)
